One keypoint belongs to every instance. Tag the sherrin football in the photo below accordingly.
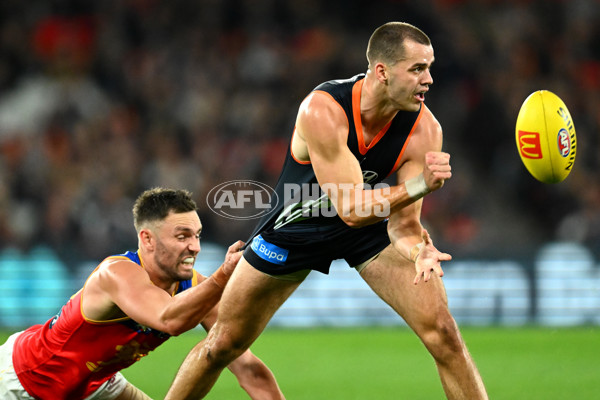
(546, 137)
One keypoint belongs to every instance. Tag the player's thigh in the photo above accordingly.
(250, 299)
(391, 276)
(132, 393)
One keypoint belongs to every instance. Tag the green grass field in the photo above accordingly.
(390, 363)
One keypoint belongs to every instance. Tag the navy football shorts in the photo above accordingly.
(299, 247)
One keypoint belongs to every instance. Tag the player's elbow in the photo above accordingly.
(358, 217)
(175, 327)
(354, 221)
(360, 214)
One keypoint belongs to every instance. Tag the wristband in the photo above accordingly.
(415, 252)
(220, 277)
(416, 187)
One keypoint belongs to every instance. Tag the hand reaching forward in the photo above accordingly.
(234, 253)
(223, 273)
(428, 259)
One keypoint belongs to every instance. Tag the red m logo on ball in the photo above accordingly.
(529, 144)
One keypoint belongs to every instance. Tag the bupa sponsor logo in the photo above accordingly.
(564, 142)
(268, 251)
(241, 199)
(529, 144)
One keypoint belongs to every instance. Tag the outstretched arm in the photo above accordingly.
(118, 283)
(404, 227)
(251, 372)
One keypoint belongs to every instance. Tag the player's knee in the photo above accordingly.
(442, 338)
(222, 347)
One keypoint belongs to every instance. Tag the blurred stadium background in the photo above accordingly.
(101, 100)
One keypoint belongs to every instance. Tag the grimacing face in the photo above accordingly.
(177, 244)
(409, 79)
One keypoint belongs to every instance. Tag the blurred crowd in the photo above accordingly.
(101, 100)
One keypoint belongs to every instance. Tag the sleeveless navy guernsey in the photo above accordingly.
(302, 230)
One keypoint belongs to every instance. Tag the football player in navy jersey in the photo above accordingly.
(349, 136)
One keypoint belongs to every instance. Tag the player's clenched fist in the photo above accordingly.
(437, 169)
(435, 172)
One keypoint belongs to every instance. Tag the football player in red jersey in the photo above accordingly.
(129, 305)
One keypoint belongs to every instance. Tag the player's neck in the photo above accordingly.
(157, 276)
(374, 110)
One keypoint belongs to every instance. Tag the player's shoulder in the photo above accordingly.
(331, 96)
(428, 127)
(118, 266)
(426, 136)
(125, 258)
(429, 121)
(320, 112)
(340, 88)
(319, 101)
(322, 116)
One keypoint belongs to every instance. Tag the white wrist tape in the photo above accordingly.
(416, 187)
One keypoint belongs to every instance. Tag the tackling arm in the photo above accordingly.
(118, 283)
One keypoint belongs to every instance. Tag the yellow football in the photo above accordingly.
(546, 137)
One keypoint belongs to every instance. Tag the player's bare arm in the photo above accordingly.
(122, 288)
(423, 160)
(321, 136)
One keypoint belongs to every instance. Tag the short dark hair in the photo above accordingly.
(387, 42)
(155, 205)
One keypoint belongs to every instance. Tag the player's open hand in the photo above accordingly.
(437, 169)
(234, 253)
(429, 260)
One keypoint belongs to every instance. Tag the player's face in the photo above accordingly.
(178, 244)
(409, 79)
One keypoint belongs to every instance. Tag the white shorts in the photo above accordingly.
(11, 388)
(111, 389)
